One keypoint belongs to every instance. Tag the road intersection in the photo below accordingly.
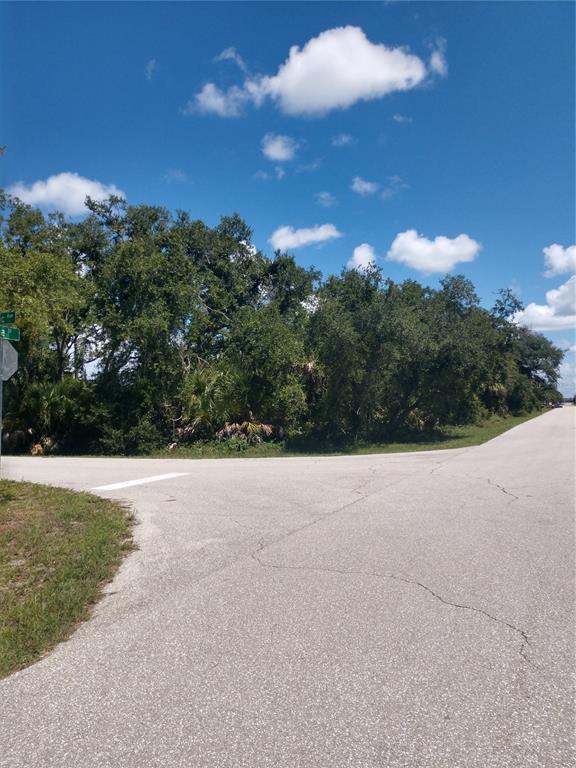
(390, 611)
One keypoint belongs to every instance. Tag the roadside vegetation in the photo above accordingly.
(57, 550)
(448, 437)
(144, 331)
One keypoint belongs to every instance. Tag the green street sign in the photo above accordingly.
(13, 334)
(7, 318)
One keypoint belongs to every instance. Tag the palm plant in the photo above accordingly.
(209, 397)
(253, 432)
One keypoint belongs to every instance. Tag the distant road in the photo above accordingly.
(386, 611)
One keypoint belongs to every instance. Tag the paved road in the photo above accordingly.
(410, 611)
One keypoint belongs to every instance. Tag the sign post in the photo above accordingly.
(8, 360)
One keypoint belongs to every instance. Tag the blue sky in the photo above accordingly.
(436, 136)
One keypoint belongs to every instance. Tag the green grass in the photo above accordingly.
(57, 550)
(452, 437)
(449, 437)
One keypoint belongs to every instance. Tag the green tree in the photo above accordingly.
(140, 326)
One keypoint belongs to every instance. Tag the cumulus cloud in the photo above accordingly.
(279, 174)
(150, 68)
(64, 192)
(309, 167)
(438, 255)
(568, 347)
(212, 100)
(332, 71)
(363, 257)
(563, 299)
(541, 317)
(393, 187)
(343, 140)
(279, 148)
(567, 377)
(438, 63)
(325, 199)
(175, 175)
(363, 187)
(559, 260)
(398, 118)
(337, 69)
(559, 312)
(567, 370)
(231, 54)
(286, 237)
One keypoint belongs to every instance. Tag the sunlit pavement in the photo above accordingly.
(411, 610)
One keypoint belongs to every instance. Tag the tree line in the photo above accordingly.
(142, 328)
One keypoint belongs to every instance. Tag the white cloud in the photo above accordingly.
(438, 255)
(231, 54)
(394, 186)
(559, 312)
(222, 103)
(325, 199)
(287, 237)
(64, 192)
(563, 299)
(567, 346)
(398, 118)
(175, 174)
(567, 370)
(279, 173)
(438, 63)
(150, 68)
(337, 69)
(279, 148)
(309, 167)
(362, 257)
(334, 70)
(541, 317)
(559, 260)
(343, 140)
(363, 187)
(567, 378)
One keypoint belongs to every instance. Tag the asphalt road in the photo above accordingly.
(386, 611)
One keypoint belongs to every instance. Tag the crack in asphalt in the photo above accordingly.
(262, 545)
(439, 464)
(500, 488)
(358, 489)
(488, 480)
(525, 644)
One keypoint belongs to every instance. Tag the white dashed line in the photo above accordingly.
(141, 481)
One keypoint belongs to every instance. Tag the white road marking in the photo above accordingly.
(140, 481)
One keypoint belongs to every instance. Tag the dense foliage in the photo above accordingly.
(142, 329)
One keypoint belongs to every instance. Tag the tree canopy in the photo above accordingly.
(143, 328)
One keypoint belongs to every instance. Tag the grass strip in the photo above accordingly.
(448, 437)
(57, 550)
